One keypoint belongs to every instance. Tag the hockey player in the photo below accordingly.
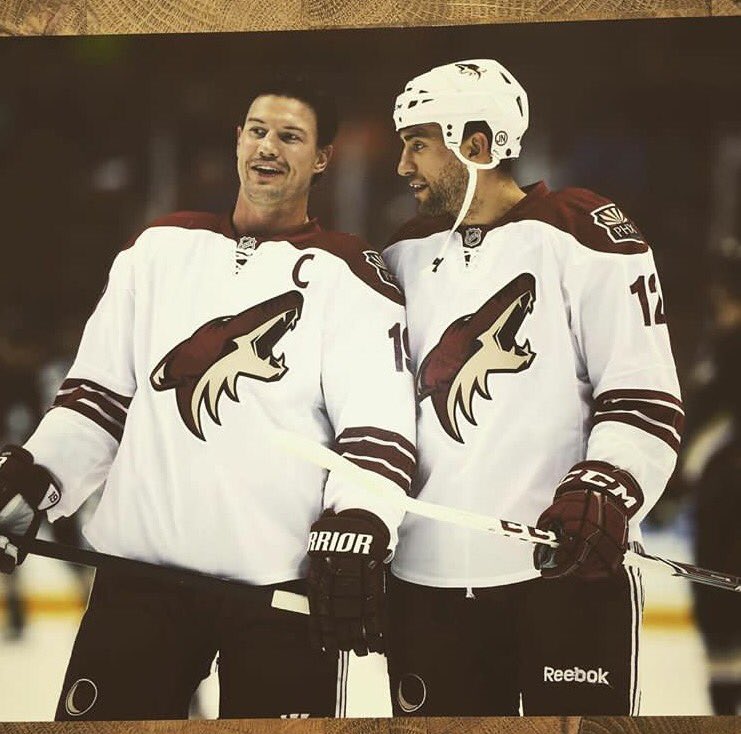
(547, 394)
(212, 330)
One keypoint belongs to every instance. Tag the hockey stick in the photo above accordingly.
(279, 599)
(323, 456)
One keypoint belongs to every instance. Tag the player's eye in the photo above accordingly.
(258, 132)
(290, 138)
(417, 145)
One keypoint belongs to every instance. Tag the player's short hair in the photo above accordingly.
(506, 165)
(311, 94)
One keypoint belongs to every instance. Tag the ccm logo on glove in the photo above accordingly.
(606, 483)
(336, 542)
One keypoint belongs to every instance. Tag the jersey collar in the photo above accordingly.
(534, 193)
(292, 234)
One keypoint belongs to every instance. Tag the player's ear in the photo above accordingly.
(476, 148)
(323, 156)
(239, 134)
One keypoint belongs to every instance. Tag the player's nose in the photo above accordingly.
(268, 146)
(405, 166)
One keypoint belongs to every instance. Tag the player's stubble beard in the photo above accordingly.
(446, 194)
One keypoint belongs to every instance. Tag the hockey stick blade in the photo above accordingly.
(320, 455)
(278, 598)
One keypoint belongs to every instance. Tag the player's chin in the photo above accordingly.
(430, 206)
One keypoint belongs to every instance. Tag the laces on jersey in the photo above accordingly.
(473, 169)
(244, 250)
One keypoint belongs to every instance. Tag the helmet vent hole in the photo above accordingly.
(508, 152)
(504, 76)
(413, 103)
(519, 104)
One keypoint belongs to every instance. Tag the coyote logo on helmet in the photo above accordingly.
(209, 361)
(473, 347)
(471, 70)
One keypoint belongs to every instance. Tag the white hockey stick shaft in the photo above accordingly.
(320, 455)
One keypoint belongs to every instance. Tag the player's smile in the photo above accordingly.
(417, 188)
(265, 171)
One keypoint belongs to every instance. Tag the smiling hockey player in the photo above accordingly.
(214, 329)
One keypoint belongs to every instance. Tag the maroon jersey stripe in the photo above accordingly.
(635, 393)
(72, 383)
(381, 469)
(389, 454)
(637, 421)
(385, 452)
(670, 417)
(80, 394)
(380, 434)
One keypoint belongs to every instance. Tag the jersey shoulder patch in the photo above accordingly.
(420, 227)
(364, 261)
(596, 222)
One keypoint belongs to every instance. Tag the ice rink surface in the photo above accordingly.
(672, 662)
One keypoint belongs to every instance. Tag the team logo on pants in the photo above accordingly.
(411, 693)
(209, 361)
(81, 697)
(473, 347)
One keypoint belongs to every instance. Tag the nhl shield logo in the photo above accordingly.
(244, 250)
(616, 224)
(472, 237)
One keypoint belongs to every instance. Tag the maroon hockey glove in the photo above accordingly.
(26, 490)
(347, 582)
(590, 512)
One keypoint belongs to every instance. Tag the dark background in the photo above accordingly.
(98, 135)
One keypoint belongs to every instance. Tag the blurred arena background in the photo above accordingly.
(98, 135)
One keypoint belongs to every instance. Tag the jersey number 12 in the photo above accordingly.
(639, 289)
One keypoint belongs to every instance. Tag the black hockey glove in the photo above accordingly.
(347, 582)
(590, 512)
(26, 490)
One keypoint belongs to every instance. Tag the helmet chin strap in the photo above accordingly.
(472, 169)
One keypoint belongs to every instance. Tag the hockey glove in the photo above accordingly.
(347, 582)
(590, 512)
(26, 490)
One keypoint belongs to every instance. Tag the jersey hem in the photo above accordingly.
(466, 583)
(270, 580)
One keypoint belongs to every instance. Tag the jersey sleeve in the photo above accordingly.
(368, 387)
(78, 438)
(622, 340)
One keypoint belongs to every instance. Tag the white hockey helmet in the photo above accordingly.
(467, 91)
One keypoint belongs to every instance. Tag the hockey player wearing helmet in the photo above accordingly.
(547, 395)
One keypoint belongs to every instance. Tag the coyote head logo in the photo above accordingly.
(209, 362)
(471, 348)
(471, 70)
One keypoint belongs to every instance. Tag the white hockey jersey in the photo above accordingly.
(201, 343)
(538, 342)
